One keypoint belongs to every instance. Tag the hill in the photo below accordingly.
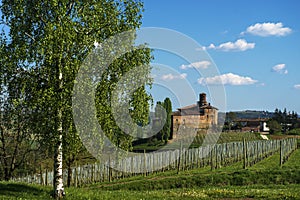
(249, 114)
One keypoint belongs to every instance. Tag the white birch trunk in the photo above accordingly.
(58, 171)
(58, 156)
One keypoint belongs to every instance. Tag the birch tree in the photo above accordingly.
(53, 37)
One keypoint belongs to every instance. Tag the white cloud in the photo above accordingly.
(268, 29)
(211, 46)
(297, 86)
(239, 45)
(198, 65)
(280, 68)
(227, 79)
(168, 77)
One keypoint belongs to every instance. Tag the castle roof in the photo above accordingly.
(192, 110)
(193, 106)
(195, 109)
(208, 107)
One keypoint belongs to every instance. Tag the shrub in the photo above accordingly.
(295, 131)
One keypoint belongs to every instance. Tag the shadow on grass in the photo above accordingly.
(221, 178)
(18, 189)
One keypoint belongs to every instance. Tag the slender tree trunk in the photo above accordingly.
(58, 155)
(58, 172)
(69, 175)
(6, 173)
(5, 157)
(70, 161)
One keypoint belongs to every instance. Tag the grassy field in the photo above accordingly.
(264, 180)
(224, 137)
(17, 191)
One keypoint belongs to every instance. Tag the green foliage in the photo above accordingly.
(295, 131)
(274, 126)
(229, 120)
(163, 117)
(50, 39)
(288, 120)
(18, 117)
(138, 101)
(168, 124)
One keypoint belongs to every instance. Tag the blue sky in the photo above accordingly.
(254, 44)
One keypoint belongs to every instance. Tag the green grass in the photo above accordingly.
(295, 131)
(253, 192)
(224, 137)
(294, 161)
(264, 180)
(269, 163)
(211, 192)
(9, 190)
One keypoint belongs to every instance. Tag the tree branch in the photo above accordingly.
(29, 36)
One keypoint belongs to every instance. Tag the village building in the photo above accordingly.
(254, 125)
(201, 115)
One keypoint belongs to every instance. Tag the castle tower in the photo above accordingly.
(202, 100)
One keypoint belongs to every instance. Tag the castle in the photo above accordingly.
(199, 116)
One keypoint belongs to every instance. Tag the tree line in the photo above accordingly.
(165, 133)
(161, 124)
(283, 121)
(42, 46)
(279, 121)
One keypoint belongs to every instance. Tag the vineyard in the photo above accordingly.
(213, 156)
(264, 180)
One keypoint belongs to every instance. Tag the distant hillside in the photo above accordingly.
(248, 114)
